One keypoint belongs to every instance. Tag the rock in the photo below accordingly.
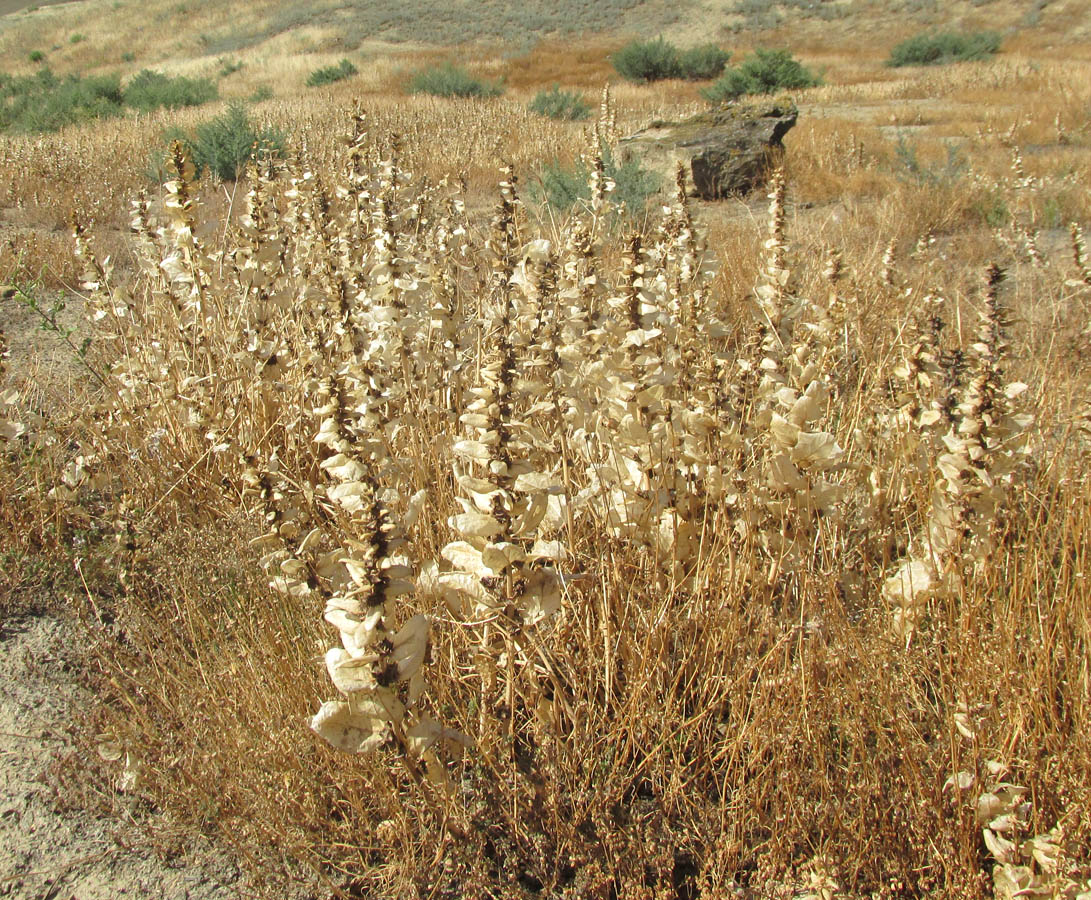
(727, 151)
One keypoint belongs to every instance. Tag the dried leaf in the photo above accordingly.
(498, 558)
(475, 525)
(360, 731)
(466, 557)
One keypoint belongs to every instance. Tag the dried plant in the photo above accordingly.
(658, 562)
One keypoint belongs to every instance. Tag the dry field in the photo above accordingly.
(427, 543)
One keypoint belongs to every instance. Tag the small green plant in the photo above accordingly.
(36, 56)
(936, 48)
(561, 187)
(128, 56)
(229, 66)
(449, 80)
(644, 61)
(77, 38)
(762, 72)
(703, 63)
(557, 104)
(330, 74)
(150, 90)
(225, 144)
(262, 93)
(993, 210)
(1052, 213)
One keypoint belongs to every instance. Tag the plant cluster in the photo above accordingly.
(568, 106)
(331, 74)
(564, 187)
(644, 61)
(449, 80)
(762, 72)
(935, 48)
(225, 144)
(45, 102)
(148, 90)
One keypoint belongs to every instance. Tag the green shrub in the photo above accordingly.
(449, 80)
(561, 187)
(128, 56)
(36, 56)
(77, 38)
(647, 61)
(762, 72)
(934, 48)
(330, 74)
(644, 61)
(150, 90)
(44, 102)
(558, 104)
(703, 63)
(261, 93)
(226, 143)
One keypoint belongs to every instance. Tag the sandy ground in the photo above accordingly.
(49, 849)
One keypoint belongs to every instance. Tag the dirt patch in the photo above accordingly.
(48, 849)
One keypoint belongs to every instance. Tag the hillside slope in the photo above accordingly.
(124, 35)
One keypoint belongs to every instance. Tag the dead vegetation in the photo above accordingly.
(742, 549)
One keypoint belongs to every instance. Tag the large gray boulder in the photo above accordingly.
(727, 151)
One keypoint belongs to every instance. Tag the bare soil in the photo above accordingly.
(51, 846)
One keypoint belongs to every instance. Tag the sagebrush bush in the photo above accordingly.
(935, 48)
(762, 72)
(647, 61)
(562, 187)
(44, 102)
(644, 61)
(449, 80)
(150, 90)
(703, 63)
(557, 104)
(225, 144)
(331, 74)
